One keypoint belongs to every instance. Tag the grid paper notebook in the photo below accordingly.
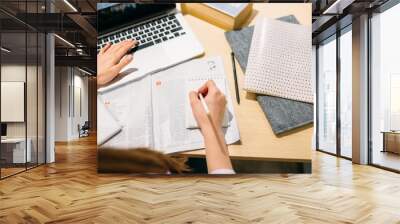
(279, 62)
(283, 114)
(240, 40)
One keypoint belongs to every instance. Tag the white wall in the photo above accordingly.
(12, 73)
(79, 117)
(61, 103)
(69, 82)
(33, 127)
(9, 73)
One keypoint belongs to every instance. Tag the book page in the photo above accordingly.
(130, 105)
(169, 116)
(170, 96)
(107, 125)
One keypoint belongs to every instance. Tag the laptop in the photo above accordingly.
(164, 37)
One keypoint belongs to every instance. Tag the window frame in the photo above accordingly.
(378, 10)
(337, 35)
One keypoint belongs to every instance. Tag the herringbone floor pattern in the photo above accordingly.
(71, 191)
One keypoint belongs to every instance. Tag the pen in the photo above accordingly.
(235, 77)
(203, 102)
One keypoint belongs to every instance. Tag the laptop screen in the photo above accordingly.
(112, 16)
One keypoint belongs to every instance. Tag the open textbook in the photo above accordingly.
(153, 111)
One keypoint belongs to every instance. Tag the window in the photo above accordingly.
(329, 112)
(22, 77)
(346, 74)
(385, 89)
(327, 95)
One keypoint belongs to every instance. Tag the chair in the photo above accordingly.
(84, 130)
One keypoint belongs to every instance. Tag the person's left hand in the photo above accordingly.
(111, 59)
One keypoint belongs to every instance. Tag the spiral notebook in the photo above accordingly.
(279, 62)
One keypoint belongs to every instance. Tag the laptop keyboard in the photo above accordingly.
(153, 32)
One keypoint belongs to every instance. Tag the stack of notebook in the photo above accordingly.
(276, 57)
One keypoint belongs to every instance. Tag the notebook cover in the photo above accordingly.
(279, 62)
(283, 114)
(240, 40)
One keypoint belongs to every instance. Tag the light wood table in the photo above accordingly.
(16, 146)
(391, 141)
(258, 142)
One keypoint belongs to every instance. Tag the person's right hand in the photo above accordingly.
(216, 103)
(111, 59)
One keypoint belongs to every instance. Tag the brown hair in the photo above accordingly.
(139, 160)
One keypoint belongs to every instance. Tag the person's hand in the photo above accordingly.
(111, 59)
(216, 103)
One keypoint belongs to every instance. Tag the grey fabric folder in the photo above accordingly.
(283, 114)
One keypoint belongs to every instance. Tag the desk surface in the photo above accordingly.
(391, 132)
(13, 140)
(257, 138)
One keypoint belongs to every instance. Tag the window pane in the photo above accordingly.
(385, 89)
(31, 97)
(327, 96)
(13, 86)
(346, 93)
(41, 98)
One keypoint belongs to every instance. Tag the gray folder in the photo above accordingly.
(283, 114)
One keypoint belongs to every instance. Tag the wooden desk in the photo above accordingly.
(258, 142)
(16, 147)
(391, 141)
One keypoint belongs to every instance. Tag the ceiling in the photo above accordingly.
(72, 20)
(332, 15)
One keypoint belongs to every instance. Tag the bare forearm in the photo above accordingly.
(217, 154)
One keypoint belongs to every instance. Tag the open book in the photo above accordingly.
(153, 111)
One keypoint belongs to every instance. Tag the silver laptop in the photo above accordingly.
(164, 37)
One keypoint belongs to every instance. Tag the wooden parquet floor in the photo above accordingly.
(71, 191)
